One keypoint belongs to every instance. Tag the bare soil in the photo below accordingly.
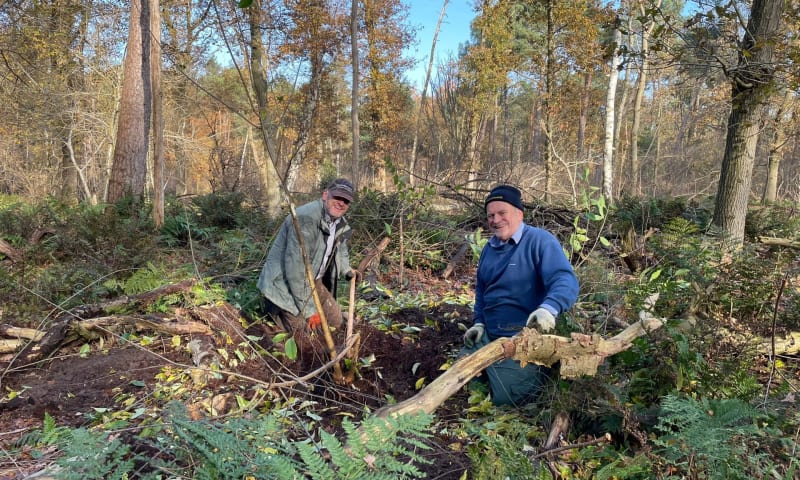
(415, 344)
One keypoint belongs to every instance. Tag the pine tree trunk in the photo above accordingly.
(129, 169)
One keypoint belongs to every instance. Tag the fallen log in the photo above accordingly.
(67, 328)
(20, 332)
(143, 322)
(579, 355)
(781, 242)
(11, 345)
(12, 253)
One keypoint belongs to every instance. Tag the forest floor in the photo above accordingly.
(75, 388)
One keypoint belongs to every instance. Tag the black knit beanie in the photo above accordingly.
(505, 193)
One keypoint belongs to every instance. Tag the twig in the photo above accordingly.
(604, 438)
(772, 335)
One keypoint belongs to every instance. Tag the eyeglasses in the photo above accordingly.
(342, 199)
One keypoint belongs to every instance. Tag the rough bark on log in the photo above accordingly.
(140, 301)
(782, 242)
(10, 345)
(12, 253)
(19, 332)
(144, 322)
(372, 255)
(579, 355)
(59, 331)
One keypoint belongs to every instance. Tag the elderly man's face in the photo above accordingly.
(335, 206)
(504, 219)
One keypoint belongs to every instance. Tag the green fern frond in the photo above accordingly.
(382, 449)
(710, 435)
(95, 456)
(144, 280)
(234, 449)
(313, 463)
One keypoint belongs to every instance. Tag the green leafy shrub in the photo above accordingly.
(240, 448)
(98, 456)
(708, 438)
(178, 229)
(221, 210)
(499, 452)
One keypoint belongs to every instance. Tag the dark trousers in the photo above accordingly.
(509, 383)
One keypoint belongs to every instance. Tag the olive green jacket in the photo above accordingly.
(283, 279)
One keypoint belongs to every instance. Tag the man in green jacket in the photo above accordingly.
(283, 280)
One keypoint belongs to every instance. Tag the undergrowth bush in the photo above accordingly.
(241, 448)
(716, 439)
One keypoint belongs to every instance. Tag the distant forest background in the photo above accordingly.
(158, 98)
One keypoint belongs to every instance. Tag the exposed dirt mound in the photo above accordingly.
(396, 359)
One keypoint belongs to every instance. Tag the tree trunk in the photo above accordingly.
(158, 113)
(584, 115)
(547, 104)
(641, 83)
(258, 72)
(751, 83)
(608, 151)
(129, 168)
(412, 165)
(776, 146)
(354, 120)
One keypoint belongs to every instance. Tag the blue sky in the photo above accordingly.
(424, 14)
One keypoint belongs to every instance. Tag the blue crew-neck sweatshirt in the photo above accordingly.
(516, 277)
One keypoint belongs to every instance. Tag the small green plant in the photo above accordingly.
(380, 449)
(476, 242)
(142, 280)
(499, 451)
(181, 228)
(99, 456)
(709, 438)
(595, 213)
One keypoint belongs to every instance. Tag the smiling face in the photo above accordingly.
(504, 219)
(335, 206)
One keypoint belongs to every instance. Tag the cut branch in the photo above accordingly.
(781, 242)
(579, 355)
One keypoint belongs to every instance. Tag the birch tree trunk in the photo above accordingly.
(608, 151)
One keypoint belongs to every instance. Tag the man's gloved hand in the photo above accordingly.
(472, 335)
(314, 322)
(354, 273)
(541, 319)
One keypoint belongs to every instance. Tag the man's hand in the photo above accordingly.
(314, 322)
(542, 320)
(354, 273)
(472, 335)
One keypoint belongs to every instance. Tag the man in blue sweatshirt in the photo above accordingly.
(524, 279)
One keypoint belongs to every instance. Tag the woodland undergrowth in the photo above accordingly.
(693, 400)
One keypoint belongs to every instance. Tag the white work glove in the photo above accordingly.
(472, 335)
(541, 319)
